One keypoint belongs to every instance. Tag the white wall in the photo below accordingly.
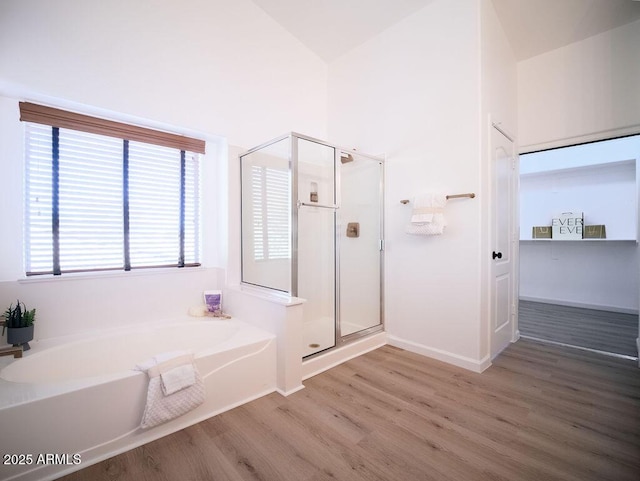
(585, 91)
(591, 274)
(413, 92)
(210, 65)
(217, 69)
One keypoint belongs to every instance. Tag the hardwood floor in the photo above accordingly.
(538, 413)
(605, 331)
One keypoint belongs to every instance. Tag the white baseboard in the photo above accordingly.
(334, 357)
(475, 365)
(560, 302)
(290, 391)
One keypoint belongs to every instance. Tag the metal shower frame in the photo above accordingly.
(339, 339)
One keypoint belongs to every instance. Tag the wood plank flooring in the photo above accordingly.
(605, 331)
(538, 413)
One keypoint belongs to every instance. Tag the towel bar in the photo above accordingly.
(471, 195)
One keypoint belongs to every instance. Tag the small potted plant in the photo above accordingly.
(19, 323)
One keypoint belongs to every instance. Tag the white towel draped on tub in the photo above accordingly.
(177, 378)
(427, 217)
(175, 387)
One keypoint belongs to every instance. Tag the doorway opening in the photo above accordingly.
(579, 256)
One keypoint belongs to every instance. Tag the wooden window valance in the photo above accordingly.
(53, 117)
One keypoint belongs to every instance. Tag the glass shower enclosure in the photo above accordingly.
(312, 227)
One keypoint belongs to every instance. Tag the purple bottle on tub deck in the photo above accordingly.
(213, 301)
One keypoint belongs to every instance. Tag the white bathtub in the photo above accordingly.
(79, 399)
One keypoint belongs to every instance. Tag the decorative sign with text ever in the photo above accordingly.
(567, 226)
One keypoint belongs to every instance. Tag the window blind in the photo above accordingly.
(271, 219)
(96, 202)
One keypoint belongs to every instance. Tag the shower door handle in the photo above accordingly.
(323, 206)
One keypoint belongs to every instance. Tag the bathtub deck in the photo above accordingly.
(540, 412)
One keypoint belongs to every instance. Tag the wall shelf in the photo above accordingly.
(607, 194)
(555, 241)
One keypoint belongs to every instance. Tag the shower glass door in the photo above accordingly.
(316, 237)
(359, 237)
(266, 216)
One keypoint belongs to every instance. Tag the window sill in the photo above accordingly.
(109, 274)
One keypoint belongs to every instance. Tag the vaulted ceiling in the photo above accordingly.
(331, 28)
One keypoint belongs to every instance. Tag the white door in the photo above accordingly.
(502, 243)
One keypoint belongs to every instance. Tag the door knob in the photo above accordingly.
(497, 254)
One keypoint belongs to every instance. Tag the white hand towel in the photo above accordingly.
(427, 216)
(162, 358)
(425, 206)
(178, 378)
